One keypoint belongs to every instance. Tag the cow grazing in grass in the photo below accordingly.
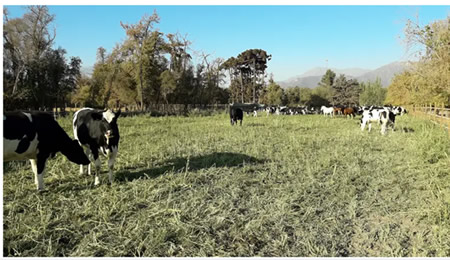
(327, 110)
(98, 132)
(37, 136)
(235, 115)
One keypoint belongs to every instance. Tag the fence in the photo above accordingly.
(436, 113)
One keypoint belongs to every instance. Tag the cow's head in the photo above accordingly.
(74, 152)
(109, 126)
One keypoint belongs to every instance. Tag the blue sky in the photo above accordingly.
(298, 37)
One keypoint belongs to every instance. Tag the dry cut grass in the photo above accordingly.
(277, 186)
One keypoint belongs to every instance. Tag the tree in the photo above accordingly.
(402, 89)
(372, 93)
(168, 84)
(346, 92)
(305, 96)
(328, 78)
(428, 79)
(273, 94)
(293, 96)
(249, 68)
(27, 42)
(137, 43)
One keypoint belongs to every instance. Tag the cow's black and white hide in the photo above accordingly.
(270, 110)
(399, 110)
(235, 115)
(369, 116)
(282, 110)
(36, 136)
(98, 132)
(383, 116)
(387, 119)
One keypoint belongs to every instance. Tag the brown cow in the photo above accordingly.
(349, 111)
(337, 111)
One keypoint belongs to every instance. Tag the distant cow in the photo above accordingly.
(270, 110)
(399, 110)
(337, 110)
(97, 131)
(235, 115)
(349, 111)
(37, 136)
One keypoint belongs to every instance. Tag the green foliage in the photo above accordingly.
(321, 96)
(345, 92)
(293, 96)
(273, 95)
(305, 96)
(168, 84)
(428, 80)
(196, 191)
(35, 75)
(372, 93)
(328, 78)
(248, 69)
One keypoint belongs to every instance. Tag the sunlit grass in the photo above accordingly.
(277, 186)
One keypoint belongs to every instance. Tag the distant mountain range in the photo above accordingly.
(311, 78)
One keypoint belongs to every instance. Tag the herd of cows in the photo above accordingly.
(385, 116)
(37, 136)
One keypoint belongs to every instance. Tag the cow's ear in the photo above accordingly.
(117, 113)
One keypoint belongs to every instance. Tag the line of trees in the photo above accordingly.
(35, 75)
(147, 67)
(331, 90)
(151, 67)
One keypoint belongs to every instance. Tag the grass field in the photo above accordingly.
(277, 186)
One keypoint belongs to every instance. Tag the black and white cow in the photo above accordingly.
(98, 132)
(270, 110)
(387, 119)
(37, 136)
(383, 116)
(235, 115)
(399, 110)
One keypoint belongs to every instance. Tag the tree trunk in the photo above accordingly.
(242, 88)
(16, 81)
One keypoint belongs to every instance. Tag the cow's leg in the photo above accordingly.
(363, 124)
(383, 128)
(98, 164)
(34, 169)
(111, 160)
(40, 166)
(370, 126)
(241, 122)
(88, 155)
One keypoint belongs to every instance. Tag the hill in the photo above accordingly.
(311, 78)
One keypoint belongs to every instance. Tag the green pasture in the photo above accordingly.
(277, 186)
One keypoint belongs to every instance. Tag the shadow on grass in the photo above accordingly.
(406, 130)
(195, 163)
(254, 124)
